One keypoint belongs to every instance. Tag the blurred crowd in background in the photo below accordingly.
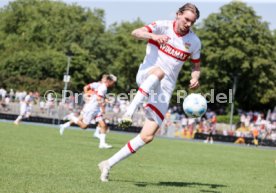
(257, 125)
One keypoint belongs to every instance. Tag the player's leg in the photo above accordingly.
(152, 80)
(18, 119)
(67, 124)
(81, 121)
(88, 114)
(146, 136)
(99, 117)
(82, 124)
(28, 111)
(155, 111)
(23, 110)
(64, 126)
(103, 131)
(97, 132)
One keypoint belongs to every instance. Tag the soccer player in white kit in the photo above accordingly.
(93, 88)
(95, 104)
(170, 44)
(25, 108)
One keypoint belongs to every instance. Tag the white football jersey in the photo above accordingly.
(102, 90)
(94, 88)
(94, 85)
(171, 56)
(92, 104)
(28, 99)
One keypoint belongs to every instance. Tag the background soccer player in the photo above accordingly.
(25, 108)
(95, 104)
(92, 88)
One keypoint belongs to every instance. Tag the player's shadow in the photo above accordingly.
(178, 184)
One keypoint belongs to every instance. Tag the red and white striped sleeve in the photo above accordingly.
(155, 27)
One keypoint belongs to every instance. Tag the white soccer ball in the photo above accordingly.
(194, 105)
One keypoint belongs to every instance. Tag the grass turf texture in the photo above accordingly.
(37, 159)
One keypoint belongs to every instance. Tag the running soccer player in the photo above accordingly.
(94, 106)
(25, 108)
(92, 88)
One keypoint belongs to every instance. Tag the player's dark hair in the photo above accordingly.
(191, 7)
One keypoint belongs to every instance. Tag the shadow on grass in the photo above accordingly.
(210, 191)
(178, 184)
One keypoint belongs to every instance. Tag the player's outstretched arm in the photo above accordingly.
(194, 82)
(143, 34)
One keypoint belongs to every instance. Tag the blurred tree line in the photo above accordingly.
(37, 35)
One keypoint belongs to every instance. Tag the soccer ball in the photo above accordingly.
(195, 105)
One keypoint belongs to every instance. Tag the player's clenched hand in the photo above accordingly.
(161, 39)
(194, 83)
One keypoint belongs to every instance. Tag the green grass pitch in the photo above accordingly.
(36, 159)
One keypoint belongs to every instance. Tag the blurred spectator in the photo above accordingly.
(3, 93)
(12, 97)
(184, 121)
(49, 106)
(240, 133)
(202, 127)
(243, 118)
(255, 133)
(212, 127)
(42, 106)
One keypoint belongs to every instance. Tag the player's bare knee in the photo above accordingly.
(147, 138)
(83, 126)
(158, 72)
